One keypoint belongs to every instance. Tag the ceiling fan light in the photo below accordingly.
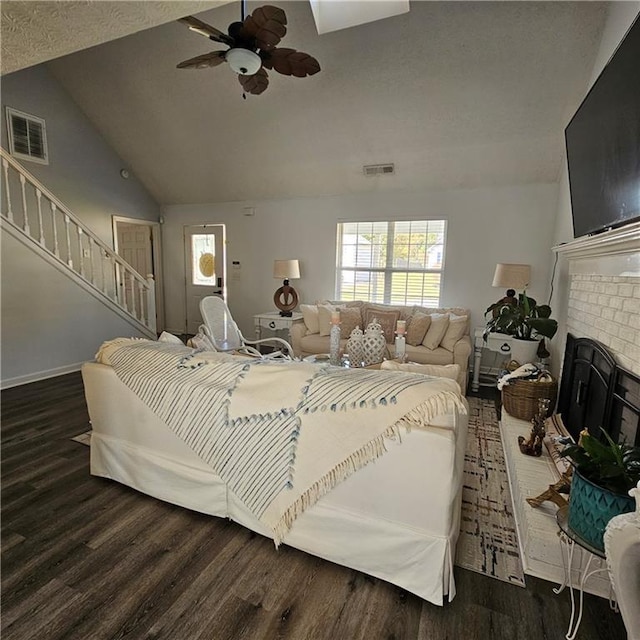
(243, 61)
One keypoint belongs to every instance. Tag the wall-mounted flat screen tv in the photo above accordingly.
(603, 145)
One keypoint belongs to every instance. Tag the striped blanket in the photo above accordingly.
(280, 434)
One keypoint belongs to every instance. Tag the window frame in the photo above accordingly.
(388, 270)
(10, 111)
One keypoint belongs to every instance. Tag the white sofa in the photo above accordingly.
(307, 341)
(385, 519)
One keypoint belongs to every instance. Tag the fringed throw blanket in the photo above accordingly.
(280, 434)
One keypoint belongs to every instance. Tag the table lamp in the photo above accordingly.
(512, 276)
(286, 298)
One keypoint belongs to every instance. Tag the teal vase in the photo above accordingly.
(591, 507)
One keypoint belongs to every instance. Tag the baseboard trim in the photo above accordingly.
(40, 375)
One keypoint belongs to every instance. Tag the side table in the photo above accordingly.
(497, 342)
(275, 322)
(569, 541)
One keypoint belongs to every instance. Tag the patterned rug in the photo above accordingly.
(488, 540)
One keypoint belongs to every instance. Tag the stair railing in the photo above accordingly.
(29, 207)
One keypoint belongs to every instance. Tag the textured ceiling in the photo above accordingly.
(456, 94)
(34, 32)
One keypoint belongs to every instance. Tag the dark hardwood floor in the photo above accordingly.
(85, 558)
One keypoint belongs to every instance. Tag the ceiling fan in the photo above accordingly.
(252, 48)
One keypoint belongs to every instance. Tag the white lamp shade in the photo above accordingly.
(286, 269)
(512, 276)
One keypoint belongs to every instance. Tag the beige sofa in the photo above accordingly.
(307, 340)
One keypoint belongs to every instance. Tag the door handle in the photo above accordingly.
(218, 293)
(219, 285)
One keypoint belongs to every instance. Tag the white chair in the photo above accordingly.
(220, 327)
(622, 548)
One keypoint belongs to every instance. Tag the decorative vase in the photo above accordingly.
(355, 347)
(334, 345)
(401, 348)
(591, 507)
(523, 351)
(374, 343)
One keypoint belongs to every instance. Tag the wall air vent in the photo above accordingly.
(378, 169)
(27, 136)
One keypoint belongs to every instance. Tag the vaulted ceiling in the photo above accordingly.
(456, 94)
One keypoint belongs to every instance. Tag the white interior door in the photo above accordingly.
(138, 243)
(205, 269)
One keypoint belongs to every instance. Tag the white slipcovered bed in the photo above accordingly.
(396, 517)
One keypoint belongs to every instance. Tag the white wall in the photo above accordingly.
(620, 17)
(485, 226)
(49, 325)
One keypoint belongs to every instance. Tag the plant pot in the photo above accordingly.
(523, 351)
(591, 507)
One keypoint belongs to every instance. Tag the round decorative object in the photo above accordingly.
(355, 347)
(286, 298)
(374, 343)
(205, 264)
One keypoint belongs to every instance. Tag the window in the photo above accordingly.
(27, 136)
(391, 262)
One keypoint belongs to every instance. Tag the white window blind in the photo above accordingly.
(27, 136)
(394, 262)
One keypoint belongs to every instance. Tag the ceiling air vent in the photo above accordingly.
(378, 169)
(27, 136)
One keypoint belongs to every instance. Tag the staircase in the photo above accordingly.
(35, 217)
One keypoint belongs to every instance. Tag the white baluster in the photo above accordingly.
(40, 227)
(68, 236)
(5, 165)
(151, 303)
(103, 257)
(134, 306)
(25, 222)
(93, 267)
(80, 251)
(56, 248)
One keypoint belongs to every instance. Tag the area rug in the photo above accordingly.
(488, 540)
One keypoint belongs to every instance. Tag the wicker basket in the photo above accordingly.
(520, 397)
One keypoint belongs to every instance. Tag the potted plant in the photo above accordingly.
(523, 319)
(604, 473)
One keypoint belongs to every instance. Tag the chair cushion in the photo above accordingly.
(422, 355)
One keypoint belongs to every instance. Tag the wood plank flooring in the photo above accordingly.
(85, 558)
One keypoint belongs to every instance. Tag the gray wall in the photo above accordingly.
(485, 226)
(49, 325)
(620, 17)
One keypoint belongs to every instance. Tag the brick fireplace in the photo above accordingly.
(604, 292)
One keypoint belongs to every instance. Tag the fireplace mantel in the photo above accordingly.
(612, 253)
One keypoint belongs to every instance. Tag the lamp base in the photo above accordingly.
(286, 314)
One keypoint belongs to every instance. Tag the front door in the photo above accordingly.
(205, 269)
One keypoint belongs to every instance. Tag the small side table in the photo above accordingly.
(497, 342)
(569, 540)
(275, 322)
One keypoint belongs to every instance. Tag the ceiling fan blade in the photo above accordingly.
(256, 83)
(212, 59)
(266, 25)
(290, 62)
(206, 30)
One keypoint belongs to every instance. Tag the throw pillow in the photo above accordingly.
(324, 318)
(310, 317)
(456, 329)
(451, 371)
(417, 328)
(169, 337)
(436, 331)
(386, 319)
(350, 318)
